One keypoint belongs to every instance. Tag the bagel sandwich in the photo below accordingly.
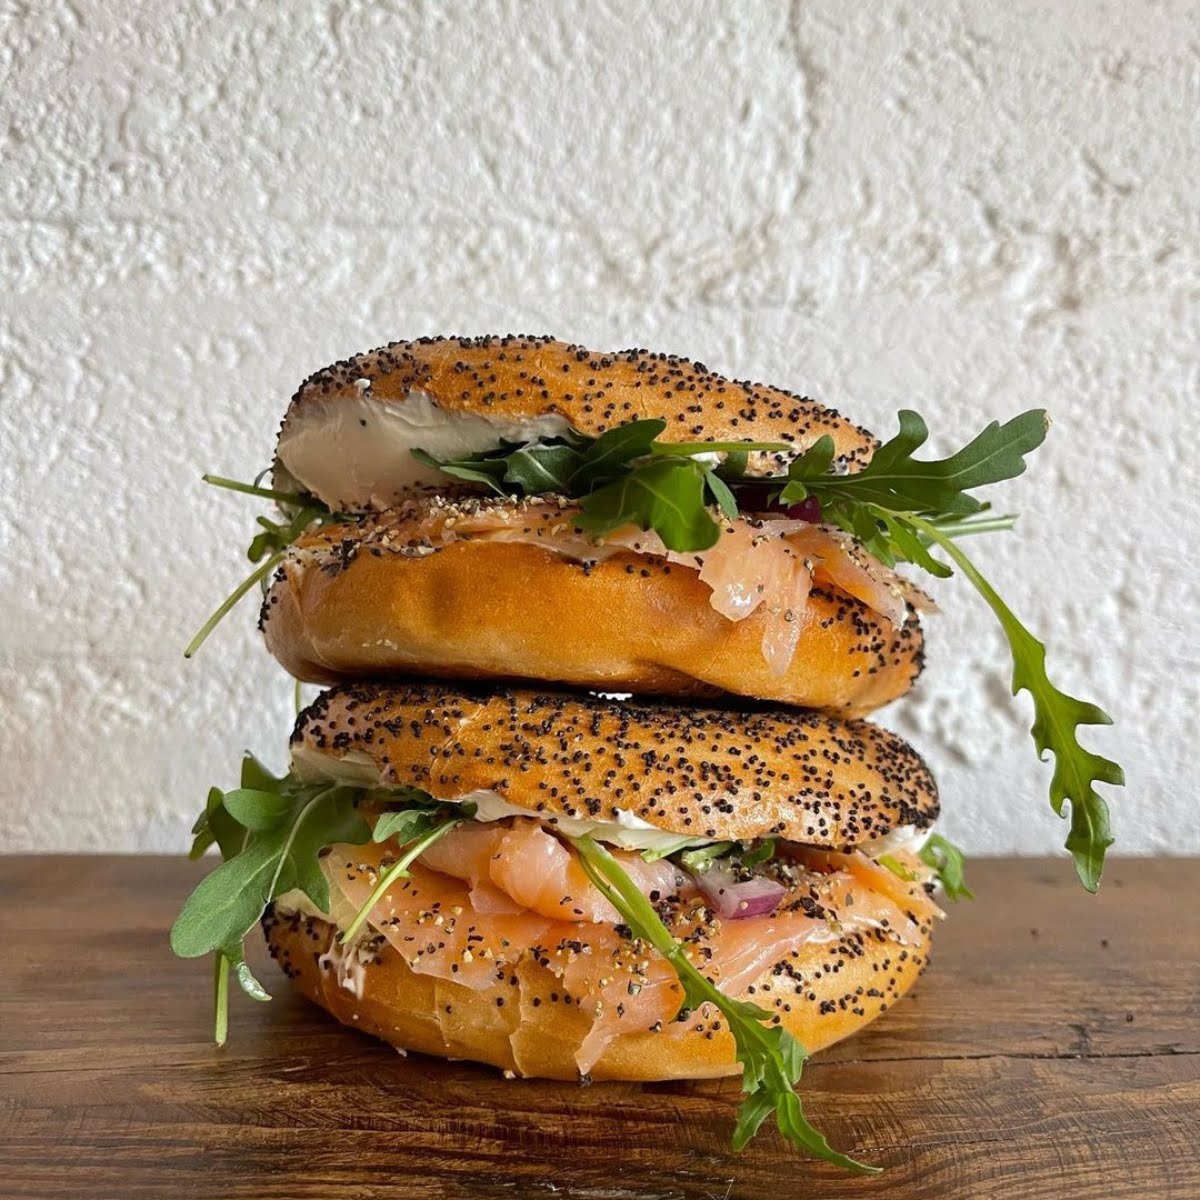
(437, 491)
(489, 873)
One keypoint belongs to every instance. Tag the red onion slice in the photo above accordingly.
(737, 899)
(808, 510)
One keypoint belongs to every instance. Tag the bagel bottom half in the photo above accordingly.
(830, 991)
(630, 623)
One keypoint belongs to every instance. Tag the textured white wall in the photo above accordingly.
(966, 208)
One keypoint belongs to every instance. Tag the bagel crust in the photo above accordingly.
(480, 609)
(525, 387)
(522, 1025)
(697, 772)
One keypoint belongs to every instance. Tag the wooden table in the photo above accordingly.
(1053, 1051)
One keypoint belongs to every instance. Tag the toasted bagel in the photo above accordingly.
(382, 597)
(693, 771)
(348, 434)
(527, 1024)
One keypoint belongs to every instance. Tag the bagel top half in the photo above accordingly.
(568, 758)
(348, 434)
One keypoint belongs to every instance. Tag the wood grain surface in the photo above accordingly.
(1052, 1051)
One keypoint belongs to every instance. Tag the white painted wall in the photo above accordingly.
(967, 208)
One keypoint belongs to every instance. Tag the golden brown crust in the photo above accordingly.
(517, 377)
(828, 993)
(700, 772)
(516, 611)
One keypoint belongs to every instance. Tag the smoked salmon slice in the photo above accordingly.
(490, 895)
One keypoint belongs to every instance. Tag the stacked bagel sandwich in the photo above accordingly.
(478, 851)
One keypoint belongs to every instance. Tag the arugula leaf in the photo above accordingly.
(720, 492)
(277, 536)
(271, 832)
(947, 860)
(735, 464)
(303, 511)
(234, 956)
(405, 824)
(418, 814)
(281, 826)
(957, 527)
(220, 999)
(217, 824)
(746, 854)
(813, 465)
(896, 482)
(1057, 717)
(228, 903)
(575, 465)
(487, 471)
(612, 450)
(541, 468)
(255, 775)
(252, 489)
(666, 495)
(895, 539)
(627, 476)
(572, 465)
(256, 810)
(771, 1058)
(214, 824)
